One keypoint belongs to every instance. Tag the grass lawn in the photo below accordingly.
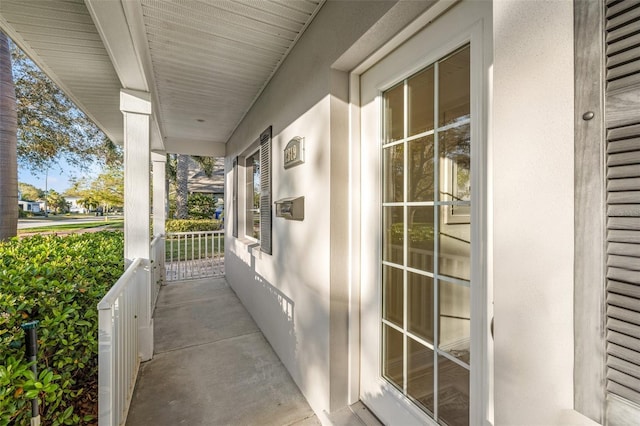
(187, 246)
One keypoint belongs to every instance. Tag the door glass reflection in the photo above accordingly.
(453, 393)
(421, 169)
(454, 239)
(426, 159)
(420, 372)
(454, 88)
(393, 362)
(420, 92)
(420, 234)
(393, 175)
(394, 114)
(392, 295)
(393, 240)
(454, 313)
(420, 306)
(455, 164)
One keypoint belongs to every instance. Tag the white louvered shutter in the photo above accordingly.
(265, 192)
(622, 119)
(235, 197)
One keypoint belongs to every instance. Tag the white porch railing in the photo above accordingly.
(157, 267)
(125, 323)
(124, 319)
(192, 255)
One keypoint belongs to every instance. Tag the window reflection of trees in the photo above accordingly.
(421, 169)
(455, 150)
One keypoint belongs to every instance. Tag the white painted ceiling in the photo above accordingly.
(204, 62)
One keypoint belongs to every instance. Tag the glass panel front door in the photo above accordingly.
(426, 238)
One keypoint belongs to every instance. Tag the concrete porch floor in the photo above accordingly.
(213, 366)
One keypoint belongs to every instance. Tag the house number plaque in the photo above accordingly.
(294, 152)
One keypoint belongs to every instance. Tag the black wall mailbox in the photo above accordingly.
(290, 208)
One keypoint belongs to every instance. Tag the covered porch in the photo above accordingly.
(158, 78)
(213, 366)
(325, 111)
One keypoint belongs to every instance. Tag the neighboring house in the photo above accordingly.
(469, 245)
(29, 206)
(200, 183)
(74, 207)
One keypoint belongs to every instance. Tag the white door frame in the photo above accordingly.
(480, 32)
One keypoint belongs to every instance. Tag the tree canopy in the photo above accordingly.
(56, 202)
(106, 190)
(50, 127)
(50, 131)
(29, 192)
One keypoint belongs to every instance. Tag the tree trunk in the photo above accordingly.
(8, 145)
(182, 176)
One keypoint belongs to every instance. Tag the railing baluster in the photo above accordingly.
(201, 261)
(118, 321)
(198, 255)
(171, 257)
(188, 272)
(186, 256)
(212, 254)
(206, 253)
(219, 254)
(215, 262)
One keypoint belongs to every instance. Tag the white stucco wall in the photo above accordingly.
(297, 296)
(294, 293)
(532, 175)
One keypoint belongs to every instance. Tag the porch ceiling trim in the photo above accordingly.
(203, 64)
(118, 24)
(115, 134)
(111, 24)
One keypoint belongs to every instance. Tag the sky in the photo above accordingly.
(56, 179)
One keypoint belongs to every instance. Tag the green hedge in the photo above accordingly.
(57, 281)
(192, 225)
(418, 233)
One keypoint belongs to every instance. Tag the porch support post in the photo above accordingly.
(136, 109)
(159, 209)
(159, 201)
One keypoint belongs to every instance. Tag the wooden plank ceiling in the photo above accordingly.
(209, 59)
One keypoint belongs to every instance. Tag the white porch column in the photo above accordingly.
(159, 201)
(136, 109)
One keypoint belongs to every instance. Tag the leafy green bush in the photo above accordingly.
(192, 225)
(419, 233)
(57, 281)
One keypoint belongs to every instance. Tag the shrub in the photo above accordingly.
(57, 281)
(192, 225)
(419, 234)
(201, 206)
